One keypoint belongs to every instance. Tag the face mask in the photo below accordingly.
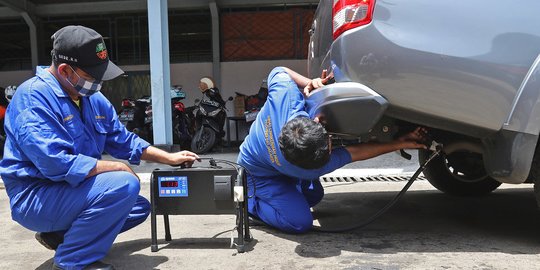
(84, 87)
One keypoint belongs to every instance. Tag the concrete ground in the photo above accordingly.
(425, 230)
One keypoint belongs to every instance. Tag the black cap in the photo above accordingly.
(84, 48)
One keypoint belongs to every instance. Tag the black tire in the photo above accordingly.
(181, 134)
(460, 173)
(130, 125)
(534, 174)
(203, 143)
(2, 144)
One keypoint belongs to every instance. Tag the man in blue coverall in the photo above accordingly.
(286, 152)
(58, 125)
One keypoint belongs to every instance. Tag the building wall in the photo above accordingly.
(14, 77)
(243, 77)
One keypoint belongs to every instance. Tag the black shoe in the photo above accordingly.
(50, 240)
(94, 266)
(254, 221)
(99, 266)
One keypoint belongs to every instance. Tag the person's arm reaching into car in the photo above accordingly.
(317, 82)
(305, 84)
(369, 150)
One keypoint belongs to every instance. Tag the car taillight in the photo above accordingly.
(348, 14)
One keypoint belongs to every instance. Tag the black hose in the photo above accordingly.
(387, 206)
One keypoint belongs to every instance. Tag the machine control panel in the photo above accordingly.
(173, 186)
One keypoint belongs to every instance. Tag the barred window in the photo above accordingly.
(15, 46)
(265, 34)
(245, 34)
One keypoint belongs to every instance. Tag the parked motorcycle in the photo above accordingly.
(182, 122)
(4, 101)
(209, 117)
(136, 115)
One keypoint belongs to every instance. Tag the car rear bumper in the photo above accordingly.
(347, 108)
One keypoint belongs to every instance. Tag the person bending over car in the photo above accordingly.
(286, 152)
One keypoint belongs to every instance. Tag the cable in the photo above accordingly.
(247, 234)
(213, 162)
(437, 149)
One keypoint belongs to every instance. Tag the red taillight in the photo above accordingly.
(126, 103)
(348, 14)
(179, 106)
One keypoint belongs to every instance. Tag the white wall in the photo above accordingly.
(246, 78)
(243, 77)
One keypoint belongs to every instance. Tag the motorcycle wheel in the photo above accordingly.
(203, 141)
(181, 134)
(130, 125)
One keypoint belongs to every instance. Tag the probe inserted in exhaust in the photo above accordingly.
(436, 148)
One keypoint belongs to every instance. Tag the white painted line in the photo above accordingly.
(145, 177)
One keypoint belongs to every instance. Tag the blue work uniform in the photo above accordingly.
(52, 144)
(281, 193)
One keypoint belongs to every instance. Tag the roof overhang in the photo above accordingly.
(10, 9)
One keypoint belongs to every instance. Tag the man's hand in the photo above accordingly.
(414, 140)
(317, 82)
(185, 158)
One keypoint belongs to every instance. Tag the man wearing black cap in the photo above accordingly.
(57, 126)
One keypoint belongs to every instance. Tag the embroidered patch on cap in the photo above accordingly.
(101, 51)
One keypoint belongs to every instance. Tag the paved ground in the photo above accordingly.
(425, 230)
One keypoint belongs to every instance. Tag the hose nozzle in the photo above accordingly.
(435, 146)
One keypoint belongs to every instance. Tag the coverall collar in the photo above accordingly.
(298, 114)
(43, 73)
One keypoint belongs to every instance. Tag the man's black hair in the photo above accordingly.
(304, 143)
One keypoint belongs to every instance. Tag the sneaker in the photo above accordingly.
(50, 240)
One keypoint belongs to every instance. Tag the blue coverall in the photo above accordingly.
(283, 193)
(51, 146)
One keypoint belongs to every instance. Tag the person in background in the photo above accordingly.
(57, 125)
(209, 89)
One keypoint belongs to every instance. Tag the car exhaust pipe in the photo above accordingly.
(463, 145)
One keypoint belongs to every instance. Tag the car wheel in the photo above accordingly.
(534, 174)
(459, 173)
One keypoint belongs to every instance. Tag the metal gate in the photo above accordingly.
(133, 84)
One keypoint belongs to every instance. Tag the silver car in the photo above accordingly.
(467, 70)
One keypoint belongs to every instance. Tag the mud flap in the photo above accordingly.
(347, 108)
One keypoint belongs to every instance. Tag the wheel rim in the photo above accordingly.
(465, 166)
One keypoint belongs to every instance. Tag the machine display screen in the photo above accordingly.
(173, 186)
(169, 183)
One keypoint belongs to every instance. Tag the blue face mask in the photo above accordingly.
(84, 87)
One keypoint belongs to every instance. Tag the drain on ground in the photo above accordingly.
(348, 179)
